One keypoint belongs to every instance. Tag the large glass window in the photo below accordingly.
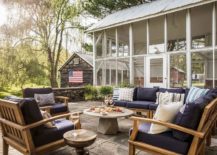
(156, 35)
(108, 73)
(123, 39)
(100, 66)
(111, 45)
(139, 71)
(99, 47)
(201, 26)
(123, 71)
(176, 27)
(202, 69)
(177, 70)
(140, 38)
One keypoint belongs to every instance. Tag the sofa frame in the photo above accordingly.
(201, 136)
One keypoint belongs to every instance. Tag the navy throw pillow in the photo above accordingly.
(146, 94)
(191, 115)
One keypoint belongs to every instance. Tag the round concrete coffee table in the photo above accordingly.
(108, 123)
(79, 139)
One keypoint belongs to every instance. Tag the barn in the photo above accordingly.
(77, 70)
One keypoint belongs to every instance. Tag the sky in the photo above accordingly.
(3, 13)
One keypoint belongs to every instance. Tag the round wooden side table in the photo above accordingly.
(79, 139)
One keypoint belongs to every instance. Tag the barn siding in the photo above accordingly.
(82, 66)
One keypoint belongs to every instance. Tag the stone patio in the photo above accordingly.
(105, 144)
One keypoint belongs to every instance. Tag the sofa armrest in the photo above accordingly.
(169, 125)
(63, 98)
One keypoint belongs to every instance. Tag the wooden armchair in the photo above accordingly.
(23, 128)
(201, 136)
(61, 106)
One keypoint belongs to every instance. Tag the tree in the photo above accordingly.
(45, 23)
(101, 8)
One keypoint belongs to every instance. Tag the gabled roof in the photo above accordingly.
(143, 11)
(86, 57)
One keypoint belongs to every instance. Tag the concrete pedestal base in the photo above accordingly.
(108, 126)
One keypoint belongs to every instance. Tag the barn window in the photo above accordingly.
(76, 61)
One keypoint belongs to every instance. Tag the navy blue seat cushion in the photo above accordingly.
(191, 115)
(58, 108)
(146, 94)
(163, 140)
(29, 92)
(172, 90)
(48, 135)
(139, 104)
(120, 103)
(153, 106)
(31, 113)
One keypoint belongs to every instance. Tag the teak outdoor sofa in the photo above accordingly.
(60, 107)
(144, 99)
(166, 143)
(24, 128)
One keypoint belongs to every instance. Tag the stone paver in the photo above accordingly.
(105, 144)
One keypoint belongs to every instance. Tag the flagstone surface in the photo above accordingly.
(105, 144)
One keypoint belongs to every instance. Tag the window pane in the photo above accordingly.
(201, 26)
(156, 30)
(176, 31)
(108, 72)
(177, 70)
(99, 70)
(156, 70)
(139, 71)
(111, 45)
(123, 71)
(140, 38)
(123, 39)
(99, 49)
(202, 69)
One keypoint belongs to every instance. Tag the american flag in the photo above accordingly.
(76, 76)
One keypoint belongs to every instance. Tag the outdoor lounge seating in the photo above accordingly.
(144, 99)
(23, 127)
(183, 138)
(60, 107)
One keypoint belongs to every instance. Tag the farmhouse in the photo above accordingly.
(77, 70)
(162, 43)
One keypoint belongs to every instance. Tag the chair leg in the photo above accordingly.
(132, 149)
(5, 148)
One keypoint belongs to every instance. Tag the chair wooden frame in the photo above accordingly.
(17, 134)
(201, 136)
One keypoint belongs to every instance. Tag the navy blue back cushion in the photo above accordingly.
(146, 94)
(191, 115)
(172, 90)
(29, 92)
(31, 113)
(135, 94)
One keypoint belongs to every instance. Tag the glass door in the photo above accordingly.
(155, 71)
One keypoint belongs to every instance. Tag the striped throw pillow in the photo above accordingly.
(115, 94)
(195, 93)
(165, 98)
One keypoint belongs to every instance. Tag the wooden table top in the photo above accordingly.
(80, 135)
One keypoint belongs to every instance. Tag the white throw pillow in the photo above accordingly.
(126, 94)
(44, 99)
(115, 94)
(165, 113)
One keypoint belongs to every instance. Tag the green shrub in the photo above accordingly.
(125, 84)
(90, 92)
(105, 90)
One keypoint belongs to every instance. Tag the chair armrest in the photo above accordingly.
(170, 125)
(44, 121)
(63, 98)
